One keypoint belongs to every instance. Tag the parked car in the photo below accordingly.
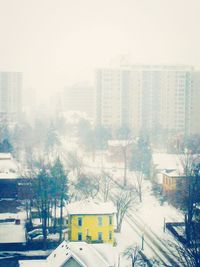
(34, 233)
(38, 237)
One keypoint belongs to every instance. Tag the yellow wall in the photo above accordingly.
(90, 226)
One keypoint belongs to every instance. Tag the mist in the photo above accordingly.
(59, 43)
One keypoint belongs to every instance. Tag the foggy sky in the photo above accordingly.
(60, 42)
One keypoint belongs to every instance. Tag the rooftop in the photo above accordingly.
(12, 233)
(165, 161)
(89, 206)
(87, 255)
(8, 166)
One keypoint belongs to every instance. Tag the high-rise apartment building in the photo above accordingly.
(79, 97)
(10, 96)
(148, 97)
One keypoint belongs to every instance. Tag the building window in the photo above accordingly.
(80, 222)
(110, 220)
(100, 236)
(110, 235)
(79, 236)
(100, 221)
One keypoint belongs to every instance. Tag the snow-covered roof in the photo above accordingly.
(8, 166)
(33, 263)
(87, 255)
(9, 175)
(89, 206)
(165, 161)
(173, 173)
(5, 156)
(12, 233)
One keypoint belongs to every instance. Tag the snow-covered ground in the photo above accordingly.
(144, 219)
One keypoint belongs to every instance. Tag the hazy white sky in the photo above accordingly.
(60, 42)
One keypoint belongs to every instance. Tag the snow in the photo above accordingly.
(119, 142)
(147, 219)
(165, 161)
(9, 175)
(86, 254)
(33, 263)
(89, 206)
(8, 167)
(7, 163)
(12, 233)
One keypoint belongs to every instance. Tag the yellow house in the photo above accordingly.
(91, 221)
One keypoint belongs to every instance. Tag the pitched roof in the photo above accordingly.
(87, 255)
(8, 167)
(89, 206)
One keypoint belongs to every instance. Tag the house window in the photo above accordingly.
(80, 222)
(79, 236)
(100, 221)
(110, 235)
(110, 220)
(100, 236)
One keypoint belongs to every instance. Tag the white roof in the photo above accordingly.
(90, 207)
(32, 263)
(165, 161)
(88, 255)
(9, 175)
(173, 174)
(5, 156)
(12, 233)
(8, 166)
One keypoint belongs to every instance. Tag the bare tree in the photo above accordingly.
(191, 171)
(138, 177)
(87, 185)
(106, 184)
(132, 253)
(75, 163)
(188, 255)
(124, 148)
(123, 199)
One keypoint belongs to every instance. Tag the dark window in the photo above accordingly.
(110, 235)
(110, 220)
(80, 222)
(100, 236)
(79, 236)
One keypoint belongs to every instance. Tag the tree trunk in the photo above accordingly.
(61, 219)
(125, 166)
(55, 220)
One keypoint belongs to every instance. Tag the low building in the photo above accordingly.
(12, 233)
(116, 149)
(164, 162)
(77, 254)
(172, 180)
(91, 221)
(8, 176)
(12, 185)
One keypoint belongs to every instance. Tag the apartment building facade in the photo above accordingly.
(10, 96)
(79, 97)
(148, 97)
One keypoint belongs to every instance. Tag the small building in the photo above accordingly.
(91, 221)
(12, 233)
(8, 176)
(77, 254)
(12, 185)
(164, 162)
(172, 180)
(116, 150)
